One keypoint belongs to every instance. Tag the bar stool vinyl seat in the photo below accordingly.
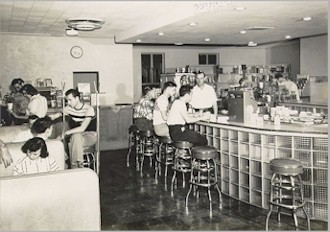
(286, 166)
(204, 152)
(165, 139)
(147, 133)
(183, 144)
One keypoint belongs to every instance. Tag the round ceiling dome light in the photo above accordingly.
(252, 44)
(307, 18)
(85, 24)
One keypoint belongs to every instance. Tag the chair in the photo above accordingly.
(148, 147)
(204, 171)
(164, 156)
(182, 161)
(286, 190)
(133, 141)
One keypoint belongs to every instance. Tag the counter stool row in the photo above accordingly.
(199, 162)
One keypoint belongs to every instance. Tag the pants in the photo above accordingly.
(162, 130)
(77, 143)
(182, 133)
(143, 124)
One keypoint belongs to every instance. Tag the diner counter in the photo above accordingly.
(268, 127)
(244, 155)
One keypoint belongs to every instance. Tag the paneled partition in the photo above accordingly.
(245, 152)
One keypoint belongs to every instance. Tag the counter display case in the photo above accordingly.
(245, 152)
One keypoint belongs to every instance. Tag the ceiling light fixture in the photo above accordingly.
(288, 36)
(207, 39)
(240, 8)
(192, 24)
(84, 24)
(252, 44)
(243, 32)
(138, 41)
(71, 32)
(307, 18)
(161, 33)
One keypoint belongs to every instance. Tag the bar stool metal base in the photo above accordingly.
(286, 189)
(204, 172)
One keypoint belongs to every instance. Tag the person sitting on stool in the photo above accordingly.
(178, 118)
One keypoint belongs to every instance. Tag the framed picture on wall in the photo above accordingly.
(48, 82)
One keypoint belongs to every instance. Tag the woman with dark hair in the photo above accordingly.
(38, 104)
(36, 160)
(17, 113)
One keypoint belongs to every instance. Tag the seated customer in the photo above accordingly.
(25, 135)
(82, 123)
(5, 156)
(37, 158)
(161, 109)
(178, 119)
(143, 112)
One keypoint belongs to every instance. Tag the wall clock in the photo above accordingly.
(76, 52)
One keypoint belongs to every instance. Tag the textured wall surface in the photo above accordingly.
(49, 57)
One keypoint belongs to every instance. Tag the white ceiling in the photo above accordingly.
(127, 21)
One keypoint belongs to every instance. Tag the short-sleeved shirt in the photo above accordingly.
(203, 98)
(144, 109)
(28, 166)
(38, 106)
(175, 115)
(77, 116)
(161, 104)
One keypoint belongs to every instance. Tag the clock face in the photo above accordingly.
(76, 52)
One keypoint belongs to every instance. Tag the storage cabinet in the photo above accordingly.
(243, 162)
(115, 122)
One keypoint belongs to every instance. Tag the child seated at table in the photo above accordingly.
(37, 158)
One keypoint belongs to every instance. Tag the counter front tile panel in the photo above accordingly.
(245, 152)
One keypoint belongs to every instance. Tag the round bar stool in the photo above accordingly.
(148, 147)
(286, 190)
(164, 156)
(133, 141)
(204, 171)
(182, 161)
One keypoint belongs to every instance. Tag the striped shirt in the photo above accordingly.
(77, 116)
(28, 166)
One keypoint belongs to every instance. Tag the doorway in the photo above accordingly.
(87, 77)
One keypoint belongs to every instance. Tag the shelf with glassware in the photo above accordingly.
(244, 155)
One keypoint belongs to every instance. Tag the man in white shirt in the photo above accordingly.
(203, 95)
(290, 86)
(161, 109)
(178, 118)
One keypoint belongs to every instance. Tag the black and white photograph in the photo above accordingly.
(164, 115)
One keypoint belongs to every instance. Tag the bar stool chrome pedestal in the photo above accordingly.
(148, 147)
(204, 172)
(164, 156)
(133, 142)
(182, 161)
(286, 190)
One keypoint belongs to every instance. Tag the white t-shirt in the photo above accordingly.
(38, 106)
(175, 115)
(161, 104)
(291, 87)
(203, 98)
